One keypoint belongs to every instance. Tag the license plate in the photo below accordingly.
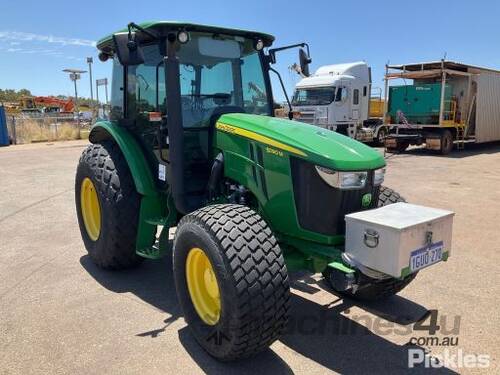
(426, 256)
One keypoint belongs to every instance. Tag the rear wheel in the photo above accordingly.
(374, 289)
(382, 133)
(446, 142)
(231, 280)
(107, 206)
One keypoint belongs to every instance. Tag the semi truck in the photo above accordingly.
(441, 104)
(339, 97)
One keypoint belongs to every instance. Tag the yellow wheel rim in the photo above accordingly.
(91, 210)
(203, 287)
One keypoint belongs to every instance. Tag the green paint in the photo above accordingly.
(174, 25)
(276, 199)
(139, 167)
(323, 147)
(341, 267)
(366, 200)
(405, 272)
(315, 256)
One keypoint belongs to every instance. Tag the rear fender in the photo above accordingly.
(153, 204)
(139, 168)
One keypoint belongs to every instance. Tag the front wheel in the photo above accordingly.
(231, 280)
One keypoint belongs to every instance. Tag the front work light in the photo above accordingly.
(343, 180)
(183, 37)
(259, 44)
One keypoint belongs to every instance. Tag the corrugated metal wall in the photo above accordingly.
(488, 107)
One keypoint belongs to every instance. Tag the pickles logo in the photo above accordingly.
(366, 200)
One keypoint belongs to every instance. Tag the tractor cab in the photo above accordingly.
(172, 81)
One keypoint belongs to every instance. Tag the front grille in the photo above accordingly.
(320, 207)
(307, 117)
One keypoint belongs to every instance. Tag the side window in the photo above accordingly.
(355, 97)
(144, 90)
(117, 91)
(341, 94)
(338, 96)
(365, 90)
(253, 85)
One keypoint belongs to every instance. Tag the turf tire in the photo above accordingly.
(251, 274)
(119, 203)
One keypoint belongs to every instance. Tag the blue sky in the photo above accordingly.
(39, 38)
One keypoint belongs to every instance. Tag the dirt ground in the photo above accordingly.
(61, 314)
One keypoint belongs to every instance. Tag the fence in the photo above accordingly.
(45, 127)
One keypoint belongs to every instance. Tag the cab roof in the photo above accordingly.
(164, 27)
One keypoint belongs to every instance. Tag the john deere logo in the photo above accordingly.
(366, 200)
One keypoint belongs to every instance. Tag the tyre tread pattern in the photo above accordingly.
(120, 204)
(260, 275)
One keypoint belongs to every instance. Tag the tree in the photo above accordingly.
(9, 95)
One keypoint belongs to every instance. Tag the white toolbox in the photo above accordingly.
(400, 238)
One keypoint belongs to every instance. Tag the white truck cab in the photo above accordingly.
(336, 97)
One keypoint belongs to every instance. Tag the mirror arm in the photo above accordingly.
(135, 26)
(290, 114)
(272, 51)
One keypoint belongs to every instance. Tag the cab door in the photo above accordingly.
(355, 103)
(342, 102)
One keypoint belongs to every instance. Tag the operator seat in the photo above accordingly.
(198, 159)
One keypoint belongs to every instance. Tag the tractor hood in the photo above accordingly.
(320, 146)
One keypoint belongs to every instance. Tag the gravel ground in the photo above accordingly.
(61, 314)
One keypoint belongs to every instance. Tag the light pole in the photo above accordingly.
(74, 75)
(90, 60)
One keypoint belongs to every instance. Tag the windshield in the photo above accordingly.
(215, 73)
(220, 72)
(313, 96)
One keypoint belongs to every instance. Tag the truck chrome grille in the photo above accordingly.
(307, 117)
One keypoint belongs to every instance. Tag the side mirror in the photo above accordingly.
(304, 60)
(127, 49)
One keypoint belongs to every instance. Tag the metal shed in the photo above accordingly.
(480, 90)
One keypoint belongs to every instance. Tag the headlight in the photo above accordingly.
(378, 176)
(321, 112)
(343, 180)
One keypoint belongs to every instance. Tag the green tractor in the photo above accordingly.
(192, 143)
